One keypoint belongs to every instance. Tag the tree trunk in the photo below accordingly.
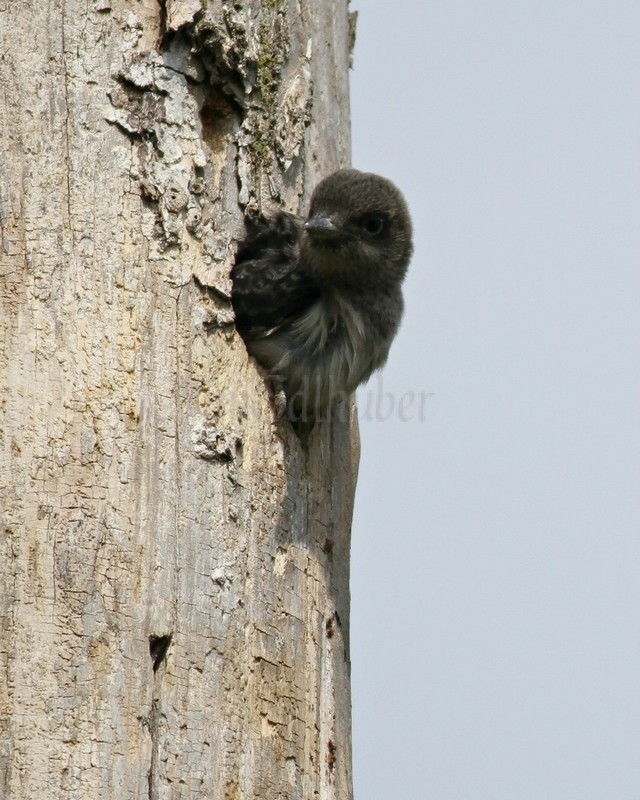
(174, 565)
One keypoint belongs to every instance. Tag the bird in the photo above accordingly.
(318, 300)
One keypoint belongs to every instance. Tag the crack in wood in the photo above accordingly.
(158, 646)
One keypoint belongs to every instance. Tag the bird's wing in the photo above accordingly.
(270, 286)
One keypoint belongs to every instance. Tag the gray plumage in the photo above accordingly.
(319, 301)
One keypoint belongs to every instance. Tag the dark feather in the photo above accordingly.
(269, 286)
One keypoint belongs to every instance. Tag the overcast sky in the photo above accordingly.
(496, 544)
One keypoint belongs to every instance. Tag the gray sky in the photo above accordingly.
(496, 547)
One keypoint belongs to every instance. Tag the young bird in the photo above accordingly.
(318, 301)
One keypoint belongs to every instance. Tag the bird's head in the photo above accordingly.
(358, 229)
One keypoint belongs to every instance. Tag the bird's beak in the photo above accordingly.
(321, 227)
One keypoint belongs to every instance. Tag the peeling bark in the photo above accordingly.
(174, 566)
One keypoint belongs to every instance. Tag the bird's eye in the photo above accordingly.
(373, 224)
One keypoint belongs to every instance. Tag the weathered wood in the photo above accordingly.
(174, 567)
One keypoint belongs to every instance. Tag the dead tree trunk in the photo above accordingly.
(174, 567)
